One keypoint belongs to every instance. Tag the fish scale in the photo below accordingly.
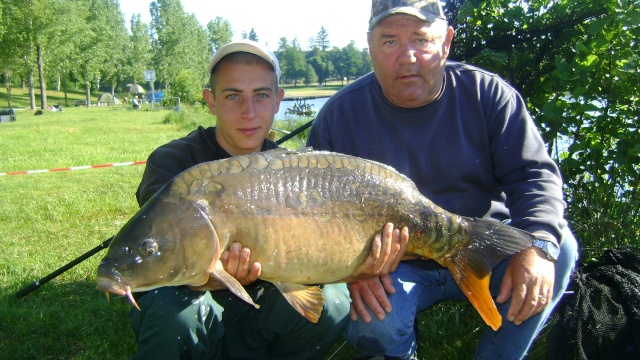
(309, 218)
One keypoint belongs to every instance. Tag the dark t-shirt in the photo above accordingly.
(171, 159)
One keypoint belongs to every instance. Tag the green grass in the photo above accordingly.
(50, 219)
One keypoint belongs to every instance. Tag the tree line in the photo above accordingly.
(53, 43)
(577, 65)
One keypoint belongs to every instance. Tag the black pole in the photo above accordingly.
(105, 244)
(294, 132)
(28, 289)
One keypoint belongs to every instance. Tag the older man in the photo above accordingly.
(464, 136)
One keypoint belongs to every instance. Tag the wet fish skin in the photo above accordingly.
(308, 217)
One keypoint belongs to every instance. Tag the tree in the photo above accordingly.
(322, 66)
(592, 103)
(321, 40)
(251, 35)
(310, 75)
(9, 56)
(366, 66)
(139, 58)
(35, 31)
(97, 40)
(292, 62)
(119, 43)
(576, 64)
(220, 33)
(351, 61)
(181, 45)
(62, 57)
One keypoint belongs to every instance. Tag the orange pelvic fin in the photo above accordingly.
(307, 300)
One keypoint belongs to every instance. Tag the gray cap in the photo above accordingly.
(427, 10)
(247, 46)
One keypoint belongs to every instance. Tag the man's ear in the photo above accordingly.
(447, 41)
(209, 98)
(279, 97)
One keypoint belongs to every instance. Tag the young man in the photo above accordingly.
(182, 323)
(465, 138)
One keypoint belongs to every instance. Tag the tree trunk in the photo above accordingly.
(43, 86)
(87, 88)
(32, 95)
(64, 87)
(7, 77)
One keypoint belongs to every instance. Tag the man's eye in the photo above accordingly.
(426, 43)
(232, 96)
(263, 96)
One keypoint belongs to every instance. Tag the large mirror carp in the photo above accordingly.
(308, 217)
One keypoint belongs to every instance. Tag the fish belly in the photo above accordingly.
(301, 249)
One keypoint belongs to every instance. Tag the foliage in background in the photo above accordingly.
(577, 66)
(56, 42)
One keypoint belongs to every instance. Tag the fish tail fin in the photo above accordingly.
(477, 291)
(490, 243)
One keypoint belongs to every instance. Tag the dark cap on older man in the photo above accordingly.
(427, 10)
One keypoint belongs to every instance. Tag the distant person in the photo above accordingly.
(464, 136)
(184, 323)
(135, 103)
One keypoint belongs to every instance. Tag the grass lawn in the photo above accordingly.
(49, 219)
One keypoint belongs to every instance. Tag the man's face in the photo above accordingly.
(245, 103)
(408, 58)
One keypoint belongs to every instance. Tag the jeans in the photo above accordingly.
(418, 289)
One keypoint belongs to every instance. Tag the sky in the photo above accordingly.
(344, 20)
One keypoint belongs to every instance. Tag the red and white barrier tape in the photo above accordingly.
(72, 168)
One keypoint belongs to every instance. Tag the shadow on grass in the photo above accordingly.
(63, 321)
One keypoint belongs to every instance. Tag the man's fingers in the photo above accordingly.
(236, 262)
(233, 259)
(386, 245)
(387, 284)
(376, 247)
(357, 304)
(517, 300)
(368, 294)
(254, 273)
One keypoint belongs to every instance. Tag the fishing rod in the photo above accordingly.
(105, 244)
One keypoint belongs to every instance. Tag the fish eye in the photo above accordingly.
(149, 247)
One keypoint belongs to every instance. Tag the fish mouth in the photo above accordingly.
(110, 286)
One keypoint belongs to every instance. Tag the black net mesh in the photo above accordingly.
(600, 316)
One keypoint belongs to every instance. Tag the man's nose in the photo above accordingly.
(248, 108)
(408, 53)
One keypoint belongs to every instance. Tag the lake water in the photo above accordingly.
(286, 104)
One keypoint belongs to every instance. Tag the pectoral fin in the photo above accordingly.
(231, 283)
(307, 300)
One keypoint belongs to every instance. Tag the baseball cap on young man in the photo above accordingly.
(247, 46)
(427, 10)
